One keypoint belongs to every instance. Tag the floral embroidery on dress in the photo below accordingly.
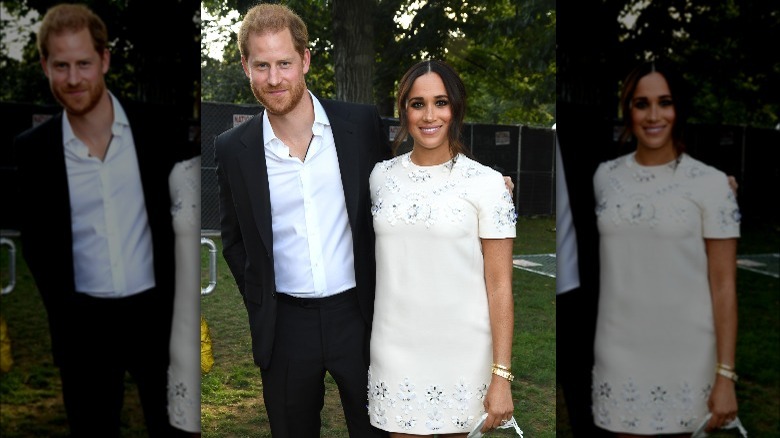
(186, 189)
(504, 214)
(729, 216)
(658, 421)
(433, 408)
(462, 395)
(419, 175)
(434, 395)
(469, 170)
(406, 423)
(376, 207)
(629, 422)
(379, 414)
(417, 208)
(180, 401)
(435, 420)
(391, 183)
(637, 209)
(482, 392)
(406, 395)
(462, 423)
(659, 409)
(695, 171)
(644, 175)
(384, 166)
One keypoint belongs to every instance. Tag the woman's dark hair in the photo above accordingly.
(456, 92)
(677, 88)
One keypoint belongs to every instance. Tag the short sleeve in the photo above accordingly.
(497, 216)
(720, 211)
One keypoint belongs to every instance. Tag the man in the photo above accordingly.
(297, 228)
(96, 231)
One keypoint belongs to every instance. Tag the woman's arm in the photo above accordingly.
(498, 280)
(722, 272)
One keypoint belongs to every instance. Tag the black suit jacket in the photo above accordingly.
(245, 211)
(581, 155)
(42, 201)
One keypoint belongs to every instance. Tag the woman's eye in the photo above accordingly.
(442, 103)
(416, 105)
(640, 105)
(667, 102)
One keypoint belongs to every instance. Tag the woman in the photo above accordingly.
(443, 320)
(667, 317)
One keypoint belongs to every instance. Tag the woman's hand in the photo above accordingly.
(722, 403)
(498, 403)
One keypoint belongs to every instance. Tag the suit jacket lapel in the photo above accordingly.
(349, 158)
(255, 173)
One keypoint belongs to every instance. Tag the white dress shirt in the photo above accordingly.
(112, 242)
(313, 255)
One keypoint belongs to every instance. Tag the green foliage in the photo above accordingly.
(721, 48)
(504, 50)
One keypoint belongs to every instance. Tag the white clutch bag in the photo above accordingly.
(477, 431)
(736, 424)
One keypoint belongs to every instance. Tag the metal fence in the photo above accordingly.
(523, 153)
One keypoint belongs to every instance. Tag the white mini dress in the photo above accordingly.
(431, 344)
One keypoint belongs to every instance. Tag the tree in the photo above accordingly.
(503, 49)
(718, 46)
(353, 44)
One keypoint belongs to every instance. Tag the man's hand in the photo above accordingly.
(732, 183)
(511, 186)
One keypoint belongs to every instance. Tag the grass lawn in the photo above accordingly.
(30, 393)
(232, 404)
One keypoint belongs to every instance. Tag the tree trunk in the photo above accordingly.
(353, 49)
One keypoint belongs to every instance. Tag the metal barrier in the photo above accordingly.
(11, 265)
(212, 266)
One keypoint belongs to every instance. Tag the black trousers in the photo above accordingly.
(107, 338)
(576, 312)
(314, 336)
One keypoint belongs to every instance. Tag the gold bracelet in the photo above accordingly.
(724, 366)
(727, 374)
(503, 373)
(502, 367)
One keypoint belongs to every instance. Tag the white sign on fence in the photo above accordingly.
(241, 118)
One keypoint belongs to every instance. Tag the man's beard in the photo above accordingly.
(275, 106)
(83, 105)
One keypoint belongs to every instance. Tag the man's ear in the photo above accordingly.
(105, 58)
(44, 66)
(245, 65)
(306, 60)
